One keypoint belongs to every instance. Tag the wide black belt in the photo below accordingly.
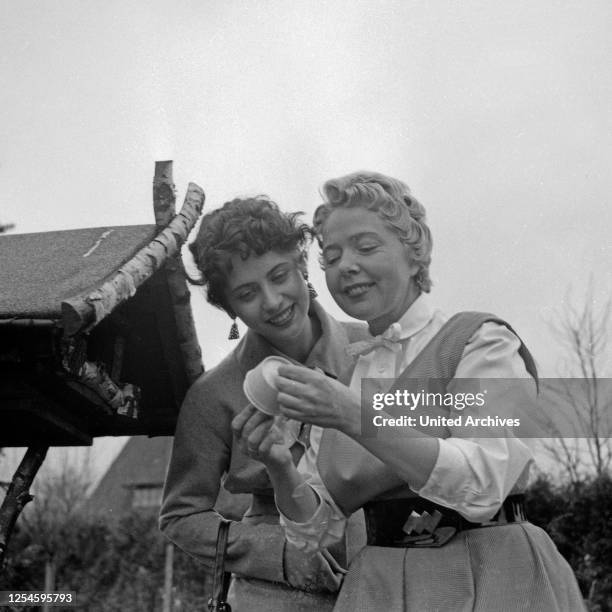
(418, 522)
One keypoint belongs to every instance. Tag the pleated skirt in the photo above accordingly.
(492, 569)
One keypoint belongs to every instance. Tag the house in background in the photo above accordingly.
(135, 481)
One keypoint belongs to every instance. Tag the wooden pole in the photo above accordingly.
(49, 582)
(168, 577)
(183, 316)
(18, 494)
(164, 197)
(163, 204)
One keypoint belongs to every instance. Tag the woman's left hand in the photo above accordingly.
(311, 397)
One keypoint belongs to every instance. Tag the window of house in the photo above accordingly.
(147, 497)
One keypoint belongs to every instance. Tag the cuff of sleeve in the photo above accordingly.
(324, 528)
(443, 487)
(256, 551)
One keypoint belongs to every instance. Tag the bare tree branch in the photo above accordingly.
(583, 329)
(18, 493)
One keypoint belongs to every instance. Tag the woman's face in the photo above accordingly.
(269, 294)
(368, 270)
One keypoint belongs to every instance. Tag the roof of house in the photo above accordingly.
(142, 464)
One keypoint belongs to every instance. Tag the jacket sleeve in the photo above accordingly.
(200, 457)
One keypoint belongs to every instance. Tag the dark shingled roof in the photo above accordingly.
(38, 271)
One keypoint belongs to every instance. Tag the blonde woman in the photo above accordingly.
(478, 552)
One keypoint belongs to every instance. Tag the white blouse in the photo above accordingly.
(471, 475)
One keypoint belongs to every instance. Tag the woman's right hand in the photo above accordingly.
(309, 396)
(258, 436)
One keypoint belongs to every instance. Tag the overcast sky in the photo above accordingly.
(497, 115)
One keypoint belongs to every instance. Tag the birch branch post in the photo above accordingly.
(163, 203)
(164, 196)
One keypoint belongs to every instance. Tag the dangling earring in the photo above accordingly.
(234, 333)
(312, 292)
(418, 279)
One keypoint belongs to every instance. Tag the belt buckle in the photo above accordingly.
(439, 537)
(424, 522)
(422, 531)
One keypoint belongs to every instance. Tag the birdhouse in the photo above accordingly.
(96, 331)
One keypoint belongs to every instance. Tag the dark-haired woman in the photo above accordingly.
(252, 258)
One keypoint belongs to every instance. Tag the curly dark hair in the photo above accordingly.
(244, 227)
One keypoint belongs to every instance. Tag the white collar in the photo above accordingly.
(417, 316)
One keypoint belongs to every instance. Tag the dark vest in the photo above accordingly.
(354, 476)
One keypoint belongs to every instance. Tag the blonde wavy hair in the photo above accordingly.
(392, 201)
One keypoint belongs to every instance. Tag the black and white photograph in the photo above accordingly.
(306, 306)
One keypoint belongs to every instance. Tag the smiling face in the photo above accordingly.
(368, 270)
(269, 294)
